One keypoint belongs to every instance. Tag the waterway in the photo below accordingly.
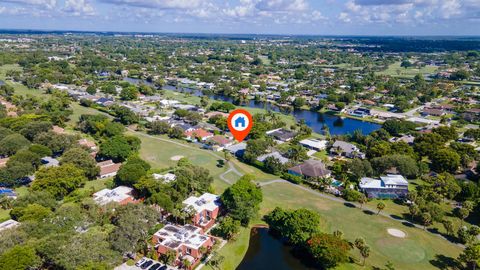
(315, 120)
(267, 252)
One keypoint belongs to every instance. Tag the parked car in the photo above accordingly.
(155, 266)
(163, 268)
(141, 261)
(146, 264)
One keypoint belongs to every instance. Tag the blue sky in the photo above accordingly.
(317, 17)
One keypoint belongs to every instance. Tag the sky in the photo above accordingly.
(305, 17)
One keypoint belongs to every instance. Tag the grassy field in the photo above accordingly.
(417, 251)
(159, 154)
(396, 70)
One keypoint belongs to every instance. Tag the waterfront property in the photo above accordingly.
(392, 186)
(346, 149)
(314, 144)
(206, 209)
(188, 242)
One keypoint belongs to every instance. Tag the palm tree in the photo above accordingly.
(380, 207)
(365, 252)
(359, 243)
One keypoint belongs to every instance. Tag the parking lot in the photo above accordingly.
(146, 264)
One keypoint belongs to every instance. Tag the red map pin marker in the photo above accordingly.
(240, 123)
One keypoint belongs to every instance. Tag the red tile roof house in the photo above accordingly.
(186, 241)
(206, 209)
(108, 168)
(88, 144)
(198, 133)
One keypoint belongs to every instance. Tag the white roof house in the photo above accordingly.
(9, 224)
(385, 182)
(119, 194)
(314, 144)
(207, 201)
(167, 177)
(174, 236)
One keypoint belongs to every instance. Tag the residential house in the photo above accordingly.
(218, 142)
(198, 133)
(433, 112)
(237, 149)
(206, 209)
(121, 195)
(276, 155)
(281, 134)
(166, 178)
(88, 144)
(108, 168)
(346, 149)
(471, 115)
(314, 144)
(186, 241)
(311, 169)
(405, 138)
(9, 224)
(392, 186)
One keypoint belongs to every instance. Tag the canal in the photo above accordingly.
(315, 120)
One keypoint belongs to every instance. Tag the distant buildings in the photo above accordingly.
(392, 186)
(206, 209)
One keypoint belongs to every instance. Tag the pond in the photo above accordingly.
(315, 120)
(267, 252)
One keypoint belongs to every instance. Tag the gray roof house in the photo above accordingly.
(346, 149)
(310, 168)
(276, 155)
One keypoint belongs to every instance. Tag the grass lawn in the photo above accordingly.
(417, 251)
(396, 70)
(234, 250)
(413, 252)
(4, 215)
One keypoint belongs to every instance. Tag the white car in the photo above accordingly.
(141, 261)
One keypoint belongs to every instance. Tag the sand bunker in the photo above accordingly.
(396, 233)
(176, 158)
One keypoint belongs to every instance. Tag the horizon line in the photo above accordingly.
(25, 30)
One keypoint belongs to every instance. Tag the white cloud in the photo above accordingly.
(79, 8)
(50, 4)
(161, 4)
